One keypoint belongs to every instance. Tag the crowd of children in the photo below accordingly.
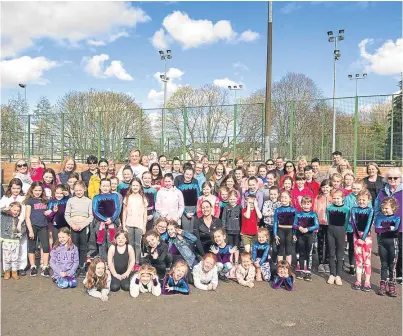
(157, 231)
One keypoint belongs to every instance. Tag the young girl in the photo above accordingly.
(134, 218)
(97, 281)
(305, 224)
(361, 220)
(223, 252)
(78, 215)
(170, 203)
(251, 216)
(121, 261)
(239, 174)
(282, 226)
(157, 253)
(36, 169)
(387, 226)
(207, 195)
(175, 282)
(223, 198)
(71, 181)
(180, 244)
(337, 181)
(145, 281)
(64, 260)
(151, 195)
(124, 186)
(14, 193)
(232, 185)
(231, 219)
(205, 273)
(106, 210)
(322, 201)
(261, 255)
(37, 226)
(261, 173)
(67, 167)
(284, 277)
(244, 272)
(160, 227)
(176, 167)
(348, 181)
(56, 210)
(49, 182)
(337, 216)
(270, 182)
(288, 184)
(218, 176)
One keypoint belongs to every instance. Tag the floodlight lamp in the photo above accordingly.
(235, 87)
(364, 75)
(167, 78)
(162, 76)
(330, 33)
(161, 52)
(340, 38)
(331, 39)
(22, 85)
(341, 31)
(169, 56)
(168, 51)
(240, 86)
(229, 87)
(350, 76)
(337, 52)
(162, 57)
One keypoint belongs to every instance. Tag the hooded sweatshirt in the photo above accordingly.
(386, 192)
(63, 259)
(170, 203)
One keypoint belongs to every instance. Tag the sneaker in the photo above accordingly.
(392, 289)
(308, 277)
(382, 288)
(352, 270)
(321, 268)
(22, 273)
(305, 268)
(331, 279)
(357, 286)
(33, 271)
(297, 268)
(366, 287)
(399, 280)
(45, 272)
(327, 268)
(223, 278)
(338, 281)
(136, 268)
(300, 275)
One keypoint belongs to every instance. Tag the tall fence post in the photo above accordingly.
(234, 141)
(28, 151)
(263, 131)
(355, 133)
(99, 133)
(323, 131)
(209, 131)
(391, 133)
(292, 129)
(185, 121)
(62, 139)
(140, 135)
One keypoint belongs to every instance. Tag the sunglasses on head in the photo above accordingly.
(22, 165)
(394, 178)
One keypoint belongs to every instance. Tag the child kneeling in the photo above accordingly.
(145, 281)
(261, 255)
(64, 260)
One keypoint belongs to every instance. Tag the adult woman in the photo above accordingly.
(344, 167)
(202, 228)
(95, 180)
(67, 167)
(302, 163)
(156, 176)
(218, 176)
(289, 170)
(36, 168)
(270, 165)
(121, 261)
(393, 188)
(373, 181)
(223, 160)
(21, 172)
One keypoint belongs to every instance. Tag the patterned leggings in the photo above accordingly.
(223, 268)
(265, 269)
(362, 253)
(66, 282)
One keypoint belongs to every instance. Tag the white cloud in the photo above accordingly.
(157, 97)
(249, 36)
(64, 22)
(191, 33)
(240, 65)
(25, 70)
(290, 7)
(225, 82)
(112, 38)
(386, 60)
(95, 67)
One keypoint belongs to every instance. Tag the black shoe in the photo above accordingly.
(22, 273)
(352, 271)
(300, 275)
(33, 271)
(45, 272)
(308, 277)
(356, 286)
(82, 273)
(223, 278)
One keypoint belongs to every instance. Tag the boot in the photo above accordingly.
(382, 288)
(392, 289)
(7, 275)
(15, 275)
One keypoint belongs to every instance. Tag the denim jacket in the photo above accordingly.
(183, 246)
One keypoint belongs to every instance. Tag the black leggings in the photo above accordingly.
(388, 251)
(40, 233)
(116, 284)
(335, 237)
(233, 240)
(351, 255)
(285, 236)
(79, 239)
(399, 256)
(305, 244)
(323, 245)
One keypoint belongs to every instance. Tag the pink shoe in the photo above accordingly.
(297, 268)
(136, 268)
(101, 236)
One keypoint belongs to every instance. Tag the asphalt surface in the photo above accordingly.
(35, 306)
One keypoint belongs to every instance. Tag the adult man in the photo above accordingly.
(207, 170)
(280, 166)
(134, 164)
(92, 162)
(317, 175)
(162, 160)
(336, 157)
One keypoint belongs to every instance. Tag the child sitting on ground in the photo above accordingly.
(145, 281)
(261, 255)
(223, 252)
(157, 253)
(97, 281)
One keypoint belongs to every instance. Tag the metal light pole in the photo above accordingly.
(357, 77)
(336, 57)
(235, 88)
(24, 86)
(268, 83)
(165, 55)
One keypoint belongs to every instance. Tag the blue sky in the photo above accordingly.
(59, 46)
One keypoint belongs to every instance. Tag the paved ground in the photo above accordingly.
(34, 306)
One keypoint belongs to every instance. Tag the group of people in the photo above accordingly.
(153, 228)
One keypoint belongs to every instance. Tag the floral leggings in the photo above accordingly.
(362, 251)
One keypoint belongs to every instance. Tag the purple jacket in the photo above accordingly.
(64, 260)
(384, 193)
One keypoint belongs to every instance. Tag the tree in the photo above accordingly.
(12, 133)
(395, 113)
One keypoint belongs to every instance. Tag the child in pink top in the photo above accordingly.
(207, 195)
(300, 191)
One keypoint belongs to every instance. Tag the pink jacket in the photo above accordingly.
(170, 203)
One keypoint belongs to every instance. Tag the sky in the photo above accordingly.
(64, 46)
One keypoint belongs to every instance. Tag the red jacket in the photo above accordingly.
(296, 196)
(314, 186)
